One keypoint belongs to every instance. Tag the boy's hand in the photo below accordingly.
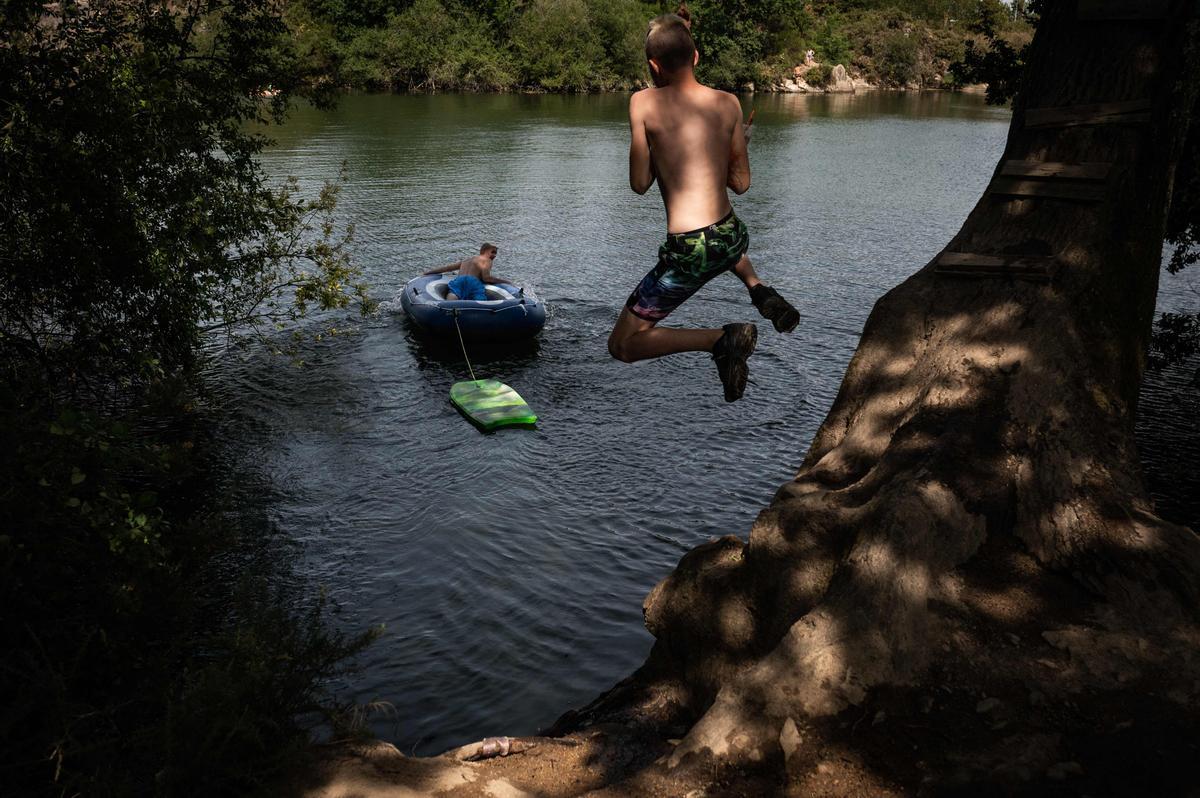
(747, 129)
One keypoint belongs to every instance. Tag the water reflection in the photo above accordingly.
(775, 108)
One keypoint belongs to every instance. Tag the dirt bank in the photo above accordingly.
(1043, 702)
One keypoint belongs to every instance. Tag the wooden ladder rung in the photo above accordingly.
(1049, 189)
(1093, 170)
(1129, 112)
(1123, 10)
(1020, 267)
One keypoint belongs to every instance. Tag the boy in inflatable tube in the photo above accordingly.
(472, 274)
(691, 139)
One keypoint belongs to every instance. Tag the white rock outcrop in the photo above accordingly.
(839, 81)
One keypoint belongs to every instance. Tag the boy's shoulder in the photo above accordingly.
(650, 95)
(721, 99)
(726, 97)
(642, 96)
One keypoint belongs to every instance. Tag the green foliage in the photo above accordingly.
(581, 45)
(131, 658)
(237, 703)
(736, 39)
(556, 46)
(364, 59)
(314, 48)
(427, 47)
(896, 58)
(621, 25)
(352, 14)
(136, 215)
(588, 45)
(995, 59)
(830, 42)
(819, 75)
(137, 221)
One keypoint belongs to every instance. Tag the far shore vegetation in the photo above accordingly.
(596, 45)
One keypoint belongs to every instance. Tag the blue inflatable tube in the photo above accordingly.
(508, 314)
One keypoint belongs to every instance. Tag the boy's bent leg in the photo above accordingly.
(770, 304)
(634, 338)
(745, 272)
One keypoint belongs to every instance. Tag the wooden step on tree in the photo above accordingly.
(1081, 182)
(1018, 267)
(1130, 112)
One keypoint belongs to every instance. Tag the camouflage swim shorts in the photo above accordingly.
(685, 263)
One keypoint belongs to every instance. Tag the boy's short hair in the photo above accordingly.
(487, 248)
(669, 42)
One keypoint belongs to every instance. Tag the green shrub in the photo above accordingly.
(137, 214)
(621, 25)
(557, 48)
(315, 49)
(818, 76)
(138, 219)
(830, 42)
(362, 60)
(897, 58)
(427, 47)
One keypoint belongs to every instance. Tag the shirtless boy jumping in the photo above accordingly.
(692, 140)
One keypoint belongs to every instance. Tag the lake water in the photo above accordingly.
(509, 569)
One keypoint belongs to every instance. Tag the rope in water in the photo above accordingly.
(463, 345)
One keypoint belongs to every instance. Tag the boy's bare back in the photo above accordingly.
(477, 266)
(689, 136)
(691, 139)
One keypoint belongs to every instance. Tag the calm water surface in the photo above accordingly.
(509, 569)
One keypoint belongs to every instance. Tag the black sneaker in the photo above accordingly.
(730, 353)
(775, 308)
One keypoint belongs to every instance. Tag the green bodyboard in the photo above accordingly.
(491, 405)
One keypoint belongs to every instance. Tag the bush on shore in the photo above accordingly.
(138, 223)
(818, 76)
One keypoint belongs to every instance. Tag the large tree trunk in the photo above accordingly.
(981, 443)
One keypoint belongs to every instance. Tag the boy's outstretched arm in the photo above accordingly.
(739, 157)
(641, 162)
(448, 268)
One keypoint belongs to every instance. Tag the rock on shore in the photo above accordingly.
(840, 82)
